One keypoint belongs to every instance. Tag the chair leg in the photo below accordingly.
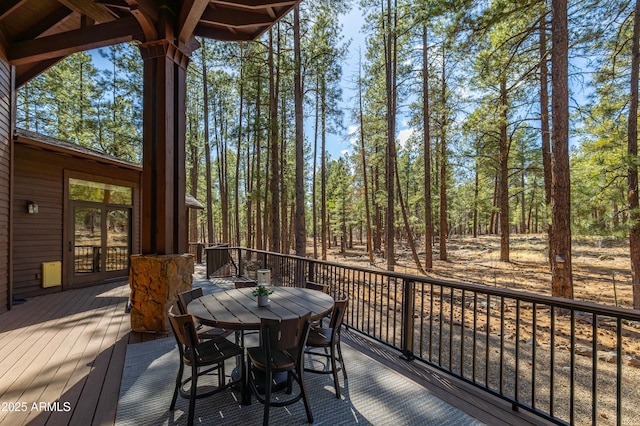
(267, 396)
(178, 384)
(334, 371)
(221, 374)
(246, 386)
(303, 390)
(344, 370)
(192, 396)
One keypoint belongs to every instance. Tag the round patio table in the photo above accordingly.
(238, 309)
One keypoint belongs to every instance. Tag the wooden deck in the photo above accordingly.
(66, 350)
(62, 356)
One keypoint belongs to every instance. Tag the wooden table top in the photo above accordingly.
(238, 309)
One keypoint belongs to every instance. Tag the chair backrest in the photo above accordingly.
(186, 297)
(183, 328)
(337, 315)
(317, 286)
(277, 334)
(245, 284)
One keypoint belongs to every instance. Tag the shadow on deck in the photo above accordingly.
(62, 358)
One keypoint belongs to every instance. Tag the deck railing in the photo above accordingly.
(569, 362)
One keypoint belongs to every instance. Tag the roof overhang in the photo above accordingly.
(36, 34)
(46, 143)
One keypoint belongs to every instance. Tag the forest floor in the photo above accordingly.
(601, 266)
(601, 274)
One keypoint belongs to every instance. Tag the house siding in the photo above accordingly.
(6, 101)
(39, 176)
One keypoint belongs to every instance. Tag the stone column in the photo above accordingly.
(155, 282)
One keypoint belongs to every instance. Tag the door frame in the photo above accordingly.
(70, 278)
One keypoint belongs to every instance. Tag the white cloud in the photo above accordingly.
(404, 136)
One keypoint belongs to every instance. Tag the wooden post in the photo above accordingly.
(164, 229)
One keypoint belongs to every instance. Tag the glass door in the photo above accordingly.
(87, 240)
(118, 240)
(99, 231)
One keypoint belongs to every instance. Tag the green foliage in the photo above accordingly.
(476, 50)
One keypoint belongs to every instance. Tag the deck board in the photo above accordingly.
(71, 347)
(59, 348)
(34, 357)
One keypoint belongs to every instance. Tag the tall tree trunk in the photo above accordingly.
(258, 149)
(476, 192)
(239, 150)
(391, 136)
(300, 223)
(407, 227)
(544, 121)
(493, 223)
(250, 167)
(632, 151)
(274, 186)
(444, 226)
(207, 147)
(363, 154)
(562, 280)
(314, 175)
(377, 230)
(324, 233)
(223, 176)
(285, 243)
(523, 206)
(504, 176)
(426, 127)
(193, 178)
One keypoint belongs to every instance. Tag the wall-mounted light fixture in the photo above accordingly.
(32, 207)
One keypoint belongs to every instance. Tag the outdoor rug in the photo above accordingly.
(372, 395)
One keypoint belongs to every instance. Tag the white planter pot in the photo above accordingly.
(263, 300)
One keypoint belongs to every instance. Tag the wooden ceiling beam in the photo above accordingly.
(145, 19)
(224, 34)
(125, 29)
(190, 14)
(8, 6)
(24, 73)
(255, 4)
(40, 28)
(235, 18)
(95, 11)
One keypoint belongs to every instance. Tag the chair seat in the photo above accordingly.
(319, 337)
(213, 351)
(282, 359)
(206, 332)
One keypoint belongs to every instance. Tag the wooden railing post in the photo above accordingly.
(408, 307)
(240, 263)
(311, 271)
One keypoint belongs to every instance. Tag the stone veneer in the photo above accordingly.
(155, 282)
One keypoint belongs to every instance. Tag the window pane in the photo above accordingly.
(117, 239)
(98, 192)
(88, 240)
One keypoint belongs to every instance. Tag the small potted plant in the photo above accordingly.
(262, 292)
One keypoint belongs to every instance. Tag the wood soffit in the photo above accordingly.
(36, 34)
